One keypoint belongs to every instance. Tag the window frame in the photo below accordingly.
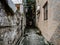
(45, 8)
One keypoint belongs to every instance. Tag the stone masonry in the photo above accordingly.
(50, 28)
(10, 27)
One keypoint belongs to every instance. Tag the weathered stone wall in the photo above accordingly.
(50, 28)
(10, 26)
(55, 39)
(56, 18)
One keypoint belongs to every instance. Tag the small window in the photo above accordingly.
(0, 10)
(18, 8)
(45, 7)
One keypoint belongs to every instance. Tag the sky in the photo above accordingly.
(17, 1)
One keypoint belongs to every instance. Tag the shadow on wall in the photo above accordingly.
(56, 36)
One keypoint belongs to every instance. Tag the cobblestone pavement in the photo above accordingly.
(32, 38)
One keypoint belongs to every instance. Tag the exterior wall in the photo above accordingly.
(50, 28)
(19, 2)
(10, 27)
(37, 15)
(56, 21)
(21, 9)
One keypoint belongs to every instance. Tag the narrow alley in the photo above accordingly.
(29, 22)
(32, 38)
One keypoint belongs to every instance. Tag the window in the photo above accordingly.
(18, 8)
(0, 10)
(45, 7)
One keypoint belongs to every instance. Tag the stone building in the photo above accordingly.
(48, 19)
(10, 23)
(22, 17)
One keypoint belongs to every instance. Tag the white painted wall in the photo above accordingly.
(21, 9)
(17, 1)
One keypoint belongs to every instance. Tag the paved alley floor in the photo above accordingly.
(32, 38)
